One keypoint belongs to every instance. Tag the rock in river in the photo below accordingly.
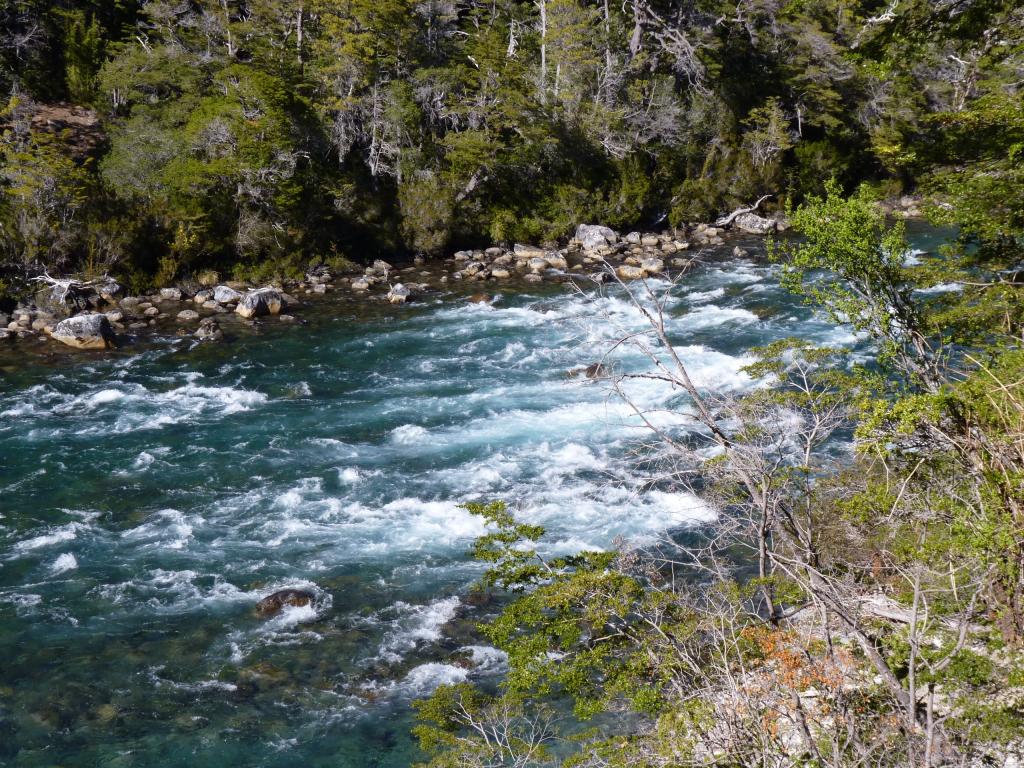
(399, 294)
(264, 301)
(209, 330)
(89, 331)
(275, 603)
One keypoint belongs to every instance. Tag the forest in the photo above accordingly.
(152, 140)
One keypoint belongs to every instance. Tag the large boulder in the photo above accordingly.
(264, 301)
(89, 331)
(754, 224)
(223, 294)
(594, 236)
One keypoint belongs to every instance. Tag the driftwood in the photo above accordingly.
(881, 607)
(62, 289)
(725, 221)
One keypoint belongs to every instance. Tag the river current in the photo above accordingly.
(149, 498)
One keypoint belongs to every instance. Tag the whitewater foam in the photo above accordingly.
(63, 564)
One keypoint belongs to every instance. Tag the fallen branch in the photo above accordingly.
(62, 288)
(725, 221)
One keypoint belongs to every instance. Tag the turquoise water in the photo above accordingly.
(149, 498)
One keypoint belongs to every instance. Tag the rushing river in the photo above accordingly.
(149, 499)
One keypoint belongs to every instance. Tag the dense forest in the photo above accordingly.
(154, 139)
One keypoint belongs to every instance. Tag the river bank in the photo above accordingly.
(191, 310)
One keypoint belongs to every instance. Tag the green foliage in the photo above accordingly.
(391, 125)
(83, 53)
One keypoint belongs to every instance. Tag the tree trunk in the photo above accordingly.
(543, 6)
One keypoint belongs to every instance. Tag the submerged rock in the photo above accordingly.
(273, 604)
(91, 331)
(264, 301)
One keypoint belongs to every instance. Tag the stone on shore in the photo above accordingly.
(223, 294)
(170, 294)
(263, 301)
(557, 261)
(594, 236)
(537, 264)
(528, 252)
(629, 272)
(754, 224)
(652, 266)
(89, 331)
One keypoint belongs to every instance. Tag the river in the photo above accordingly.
(150, 497)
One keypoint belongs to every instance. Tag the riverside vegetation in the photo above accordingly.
(155, 140)
(860, 607)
